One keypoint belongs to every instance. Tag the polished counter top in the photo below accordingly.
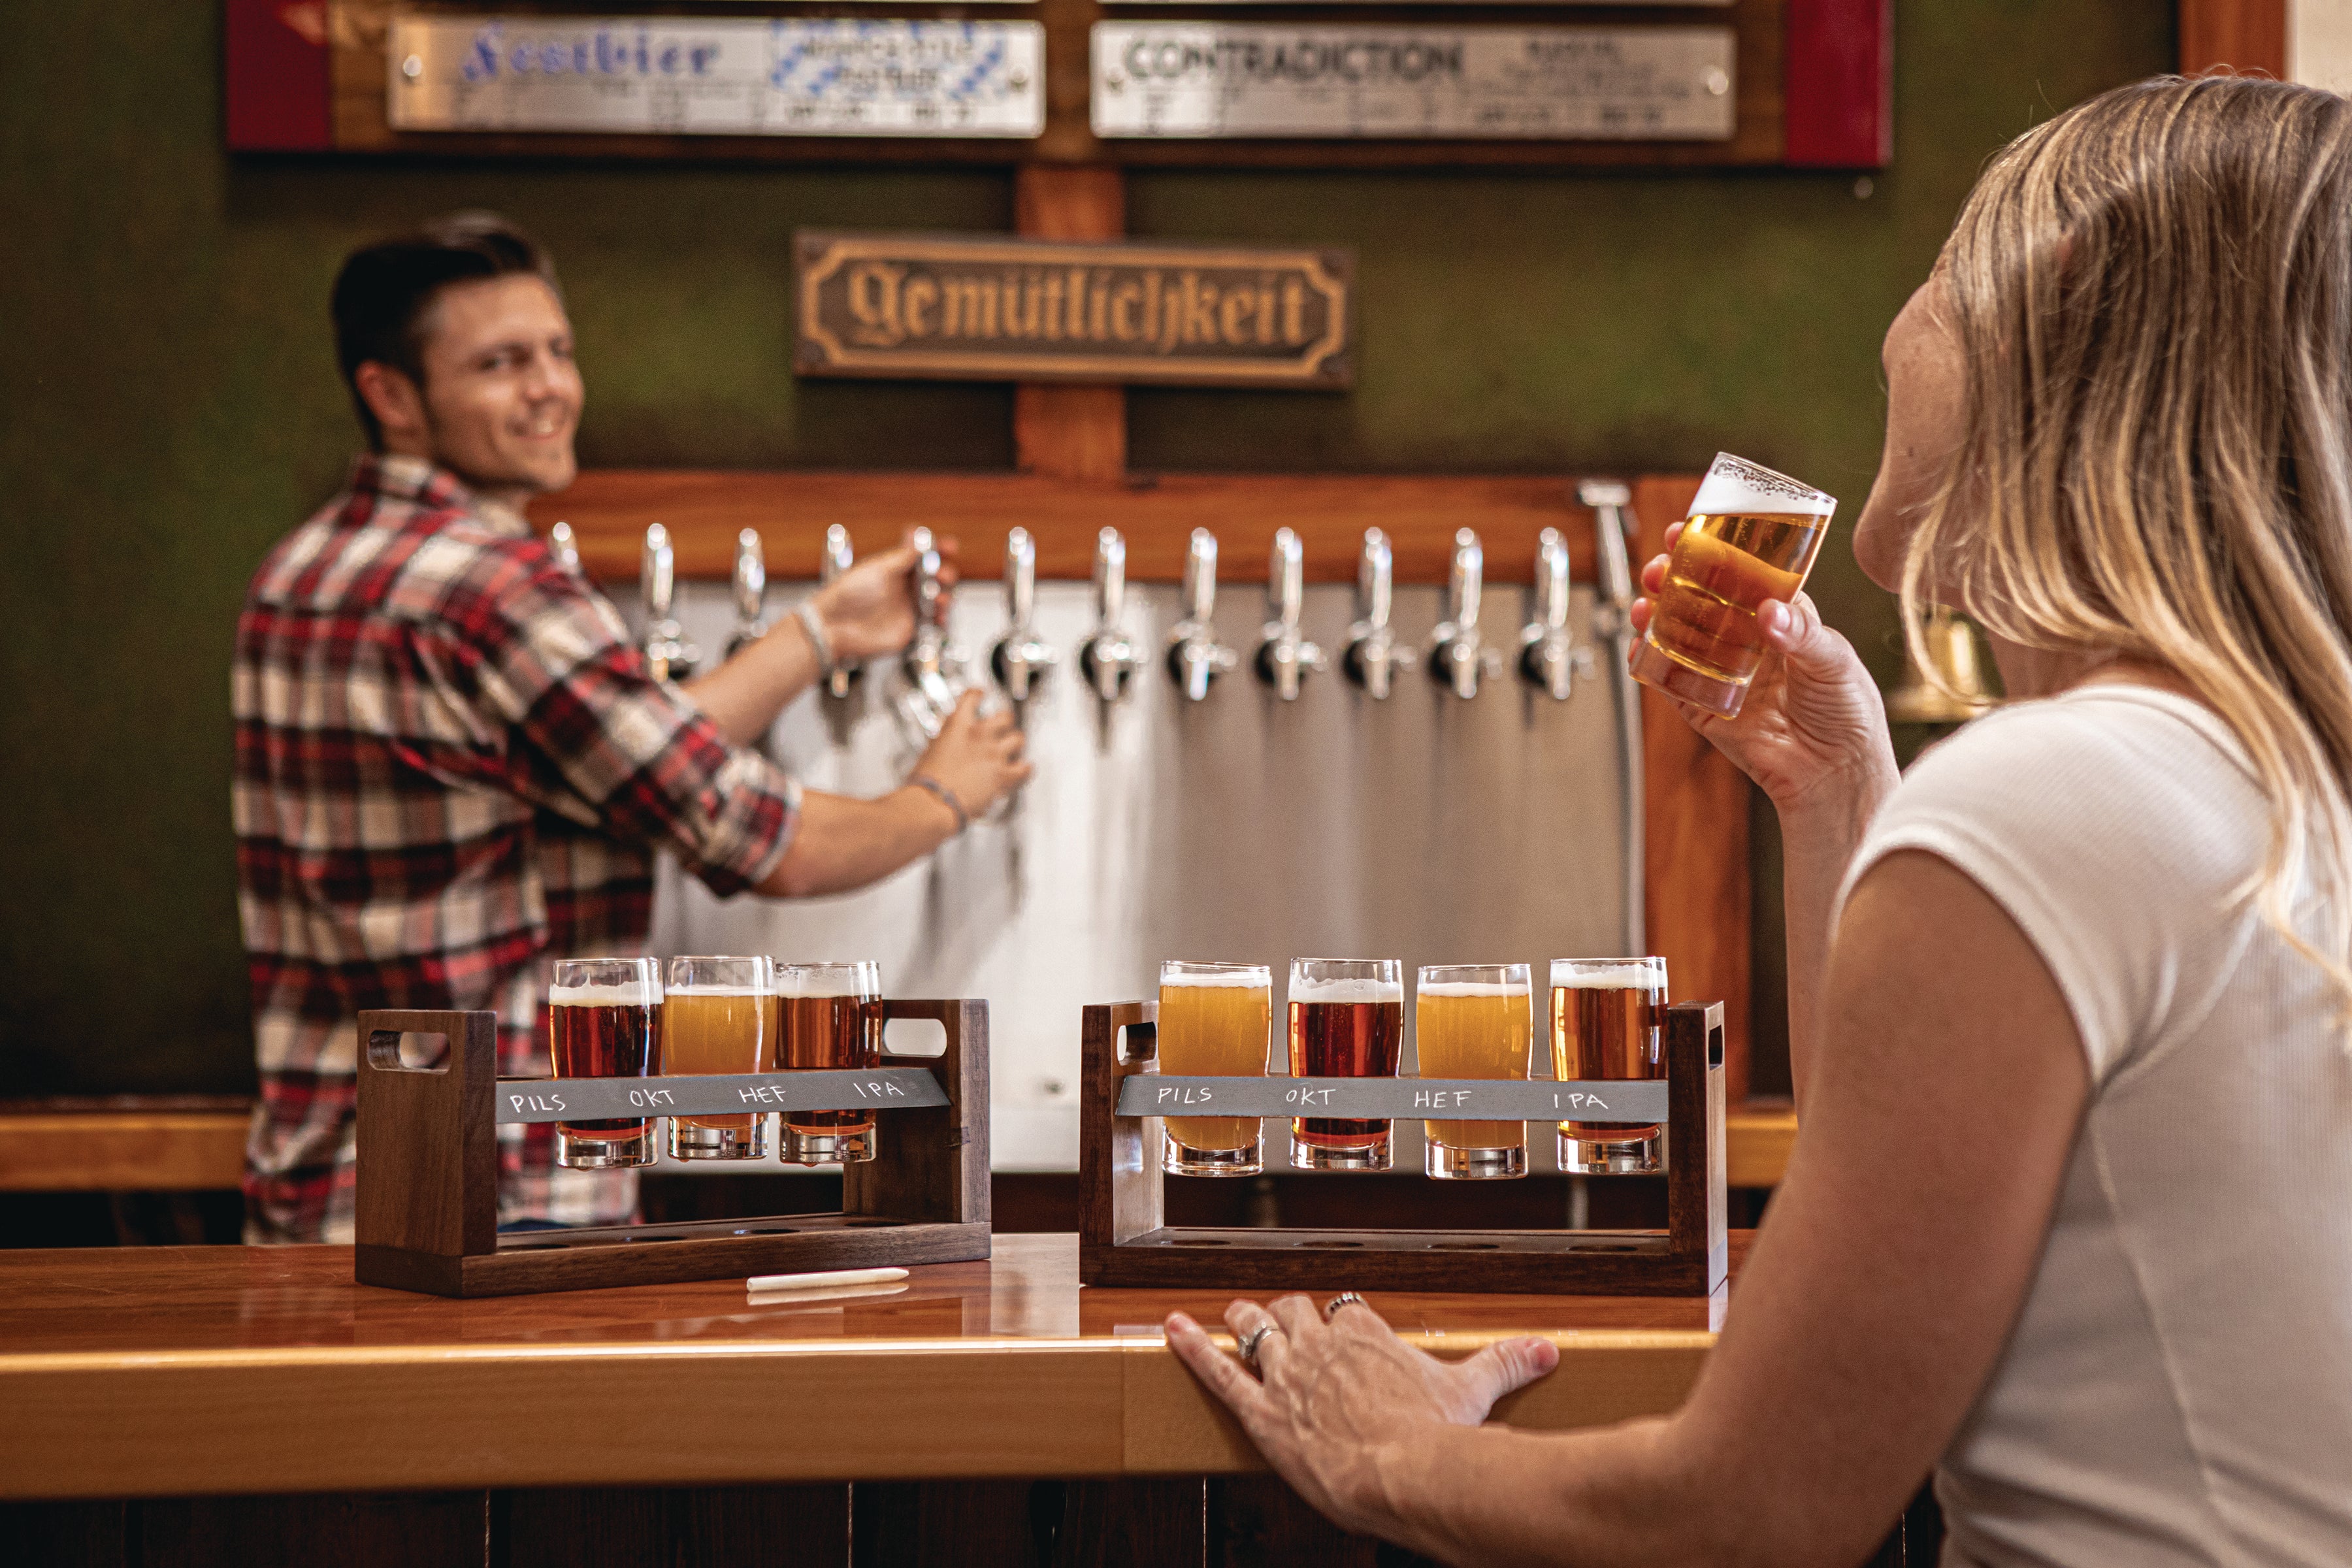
(186, 1370)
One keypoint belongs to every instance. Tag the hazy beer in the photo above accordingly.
(829, 1015)
(1751, 536)
(1347, 1020)
(1608, 1017)
(1216, 1021)
(605, 1020)
(1474, 1020)
(719, 1016)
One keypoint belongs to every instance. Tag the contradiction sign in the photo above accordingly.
(1006, 310)
(1639, 1101)
(1219, 80)
(717, 75)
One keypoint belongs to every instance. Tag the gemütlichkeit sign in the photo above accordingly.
(803, 75)
(1006, 310)
(1219, 80)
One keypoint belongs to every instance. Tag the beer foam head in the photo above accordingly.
(1734, 485)
(813, 980)
(1235, 975)
(1473, 988)
(1347, 991)
(1606, 973)
(717, 991)
(629, 994)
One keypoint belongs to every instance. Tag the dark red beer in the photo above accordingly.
(1344, 1039)
(604, 1031)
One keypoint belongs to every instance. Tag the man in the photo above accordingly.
(452, 764)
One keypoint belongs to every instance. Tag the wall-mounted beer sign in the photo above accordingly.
(973, 309)
(703, 76)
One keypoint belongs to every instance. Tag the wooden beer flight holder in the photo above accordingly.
(1124, 1238)
(427, 1199)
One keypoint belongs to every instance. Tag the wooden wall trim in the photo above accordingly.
(1070, 432)
(2242, 35)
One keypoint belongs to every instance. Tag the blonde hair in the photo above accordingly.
(2153, 294)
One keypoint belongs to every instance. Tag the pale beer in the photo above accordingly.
(1474, 1020)
(1608, 1017)
(1347, 1020)
(829, 1016)
(719, 1016)
(1751, 536)
(605, 1020)
(1216, 1021)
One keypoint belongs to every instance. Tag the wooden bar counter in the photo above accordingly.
(244, 1375)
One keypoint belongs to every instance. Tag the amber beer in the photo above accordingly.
(1347, 1020)
(1473, 1020)
(719, 1016)
(605, 1020)
(1607, 1022)
(1216, 1021)
(829, 1015)
(1751, 536)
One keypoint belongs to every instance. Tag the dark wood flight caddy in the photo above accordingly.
(1124, 1238)
(427, 1177)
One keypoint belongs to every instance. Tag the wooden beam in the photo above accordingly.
(129, 1149)
(2239, 35)
(1695, 859)
(1070, 432)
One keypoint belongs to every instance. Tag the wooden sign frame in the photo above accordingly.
(1124, 1239)
(428, 1198)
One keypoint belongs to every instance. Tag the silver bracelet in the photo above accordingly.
(947, 798)
(813, 623)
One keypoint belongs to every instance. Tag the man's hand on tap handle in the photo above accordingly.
(869, 610)
(977, 757)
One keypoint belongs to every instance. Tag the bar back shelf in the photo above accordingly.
(1125, 1240)
(428, 1197)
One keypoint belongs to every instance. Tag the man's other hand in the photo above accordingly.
(977, 756)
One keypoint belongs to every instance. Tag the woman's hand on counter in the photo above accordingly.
(869, 610)
(1813, 724)
(1333, 1401)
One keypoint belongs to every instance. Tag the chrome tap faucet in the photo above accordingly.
(751, 592)
(1195, 658)
(667, 650)
(1021, 661)
(1456, 656)
(1373, 654)
(929, 696)
(1285, 658)
(565, 545)
(1613, 621)
(1108, 659)
(1549, 657)
(838, 558)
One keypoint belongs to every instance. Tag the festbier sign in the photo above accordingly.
(971, 309)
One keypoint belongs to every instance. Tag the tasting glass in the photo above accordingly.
(1752, 535)
(831, 1017)
(1216, 1021)
(1347, 1020)
(1473, 1020)
(1607, 1022)
(719, 1016)
(605, 1020)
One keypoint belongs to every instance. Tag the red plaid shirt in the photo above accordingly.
(451, 766)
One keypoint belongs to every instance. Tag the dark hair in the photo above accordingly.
(384, 290)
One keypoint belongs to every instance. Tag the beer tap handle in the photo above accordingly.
(565, 545)
(1372, 654)
(1285, 658)
(666, 651)
(1020, 659)
(838, 557)
(1111, 578)
(1106, 657)
(750, 585)
(1195, 656)
(1467, 583)
(1201, 577)
(1456, 656)
(1545, 656)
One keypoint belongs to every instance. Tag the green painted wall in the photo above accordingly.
(168, 406)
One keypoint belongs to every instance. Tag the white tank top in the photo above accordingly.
(2179, 1386)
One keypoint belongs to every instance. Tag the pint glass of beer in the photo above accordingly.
(719, 1016)
(1216, 1021)
(830, 1016)
(605, 1020)
(1474, 1020)
(1751, 536)
(1347, 1020)
(1608, 1016)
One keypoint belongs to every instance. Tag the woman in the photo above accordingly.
(2071, 1011)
